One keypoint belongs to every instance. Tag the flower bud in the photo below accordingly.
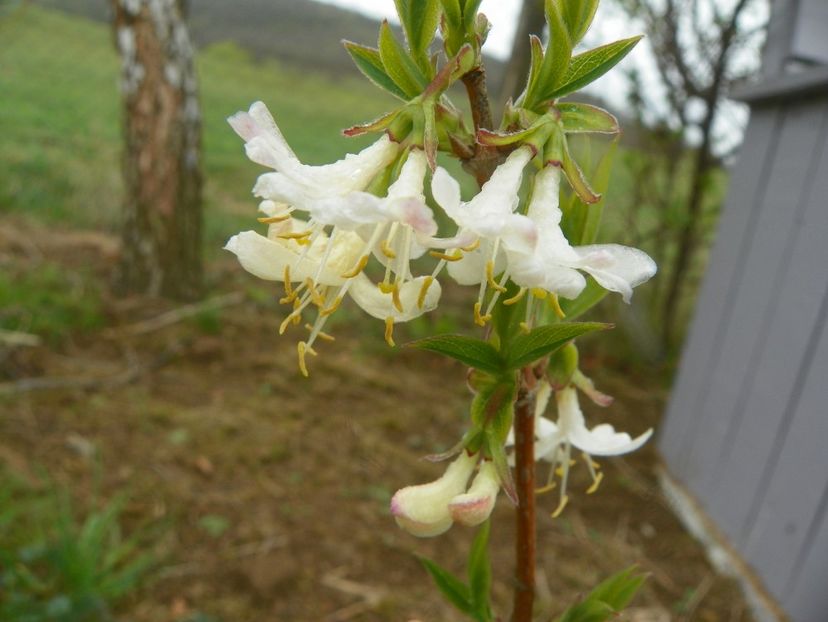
(423, 510)
(475, 506)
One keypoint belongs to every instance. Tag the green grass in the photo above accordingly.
(60, 127)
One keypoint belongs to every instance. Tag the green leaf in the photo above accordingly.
(453, 13)
(591, 296)
(480, 573)
(473, 352)
(577, 118)
(470, 8)
(368, 61)
(419, 20)
(527, 349)
(492, 407)
(607, 599)
(556, 58)
(455, 591)
(398, 64)
(582, 220)
(587, 67)
(578, 16)
(575, 177)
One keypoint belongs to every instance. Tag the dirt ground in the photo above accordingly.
(275, 488)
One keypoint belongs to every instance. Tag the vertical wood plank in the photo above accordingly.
(807, 598)
(747, 455)
(735, 233)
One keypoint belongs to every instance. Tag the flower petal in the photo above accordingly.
(603, 440)
(615, 267)
(381, 306)
(446, 192)
(544, 207)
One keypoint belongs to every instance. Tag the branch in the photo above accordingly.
(526, 538)
(485, 159)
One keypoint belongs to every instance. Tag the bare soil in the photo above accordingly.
(275, 488)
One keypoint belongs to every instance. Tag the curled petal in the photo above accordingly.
(615, 267)
(603, 440)
(475, 506)
(381, 306)
(446, 192)
(423, 510)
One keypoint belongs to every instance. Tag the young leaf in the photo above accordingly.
(607, 599)
(576, 179)
(527, 349)
(555, 59)
(419, 20)
(578, 16)
(577, 118)
(368, 61)
(455, 591)
(473, 352)
(480, 573)
(398, 63)
(453, 13)
(589, 66)
(470, 8)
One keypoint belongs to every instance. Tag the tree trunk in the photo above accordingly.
(532, 22)
(162, 151)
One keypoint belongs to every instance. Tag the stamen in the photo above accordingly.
(386, 249)
(315, 296)
(539, 293)
(288, 285)
(269, 220)
(389, 331)
(556, 306)
(295, 235)
(330, 310)
(285, 323)
(321, 334)
(395, 298)
(456, 256)
(561, 506)
(359, 267)
(424, 291)
(596, 483)
(544, 489)
(516, 298)
(480, 320)
(490, 277)
(302, 348)
(471, 247)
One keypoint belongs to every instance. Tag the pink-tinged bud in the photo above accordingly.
(475, 506)
(588, 387)
(423, 510)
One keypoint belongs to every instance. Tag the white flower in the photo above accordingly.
(474, 506)
(324, 271)
(554, 440)
(423, 510)
(490, 222)
(554, 263)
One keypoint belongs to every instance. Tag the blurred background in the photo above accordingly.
(160, 456)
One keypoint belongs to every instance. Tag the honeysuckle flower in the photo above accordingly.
(475, 505)
(490, 221)
(554, 264)
(555, 440)
(321, 270)
(423, 510)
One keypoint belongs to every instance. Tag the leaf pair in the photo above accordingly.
(523, 350)
(606, 600)
(472, 598)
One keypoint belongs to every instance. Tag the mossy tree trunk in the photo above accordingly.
(162, 151)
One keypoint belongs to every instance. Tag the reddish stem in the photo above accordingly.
(525, 540)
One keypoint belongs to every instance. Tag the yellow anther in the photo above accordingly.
(556, 306)
(296, 304)
(395, 298)
(389, 331)
(285, 323)
(295, 235)
(471, 247)
(303, 241)
(490, 278)
(561, 506)
(316, 297)
(516, 298)
(288, 299)
(386, 249)
(525, 328)
(385, 287)
(359, 267)
(456, 256)
(269, 220)
(545, 489)
(539, 293)
(301, 348)
(321, 334)
(480, 320)
(424, 291)
(288, 286)
(330, 310)
(599, 477)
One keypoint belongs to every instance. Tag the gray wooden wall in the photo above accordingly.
(747, 427)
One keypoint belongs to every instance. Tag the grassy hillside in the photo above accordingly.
(59, 118)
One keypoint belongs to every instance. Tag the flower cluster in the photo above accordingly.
(430, 509)
(326, 223)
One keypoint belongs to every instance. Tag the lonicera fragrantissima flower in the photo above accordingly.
(428, 510)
